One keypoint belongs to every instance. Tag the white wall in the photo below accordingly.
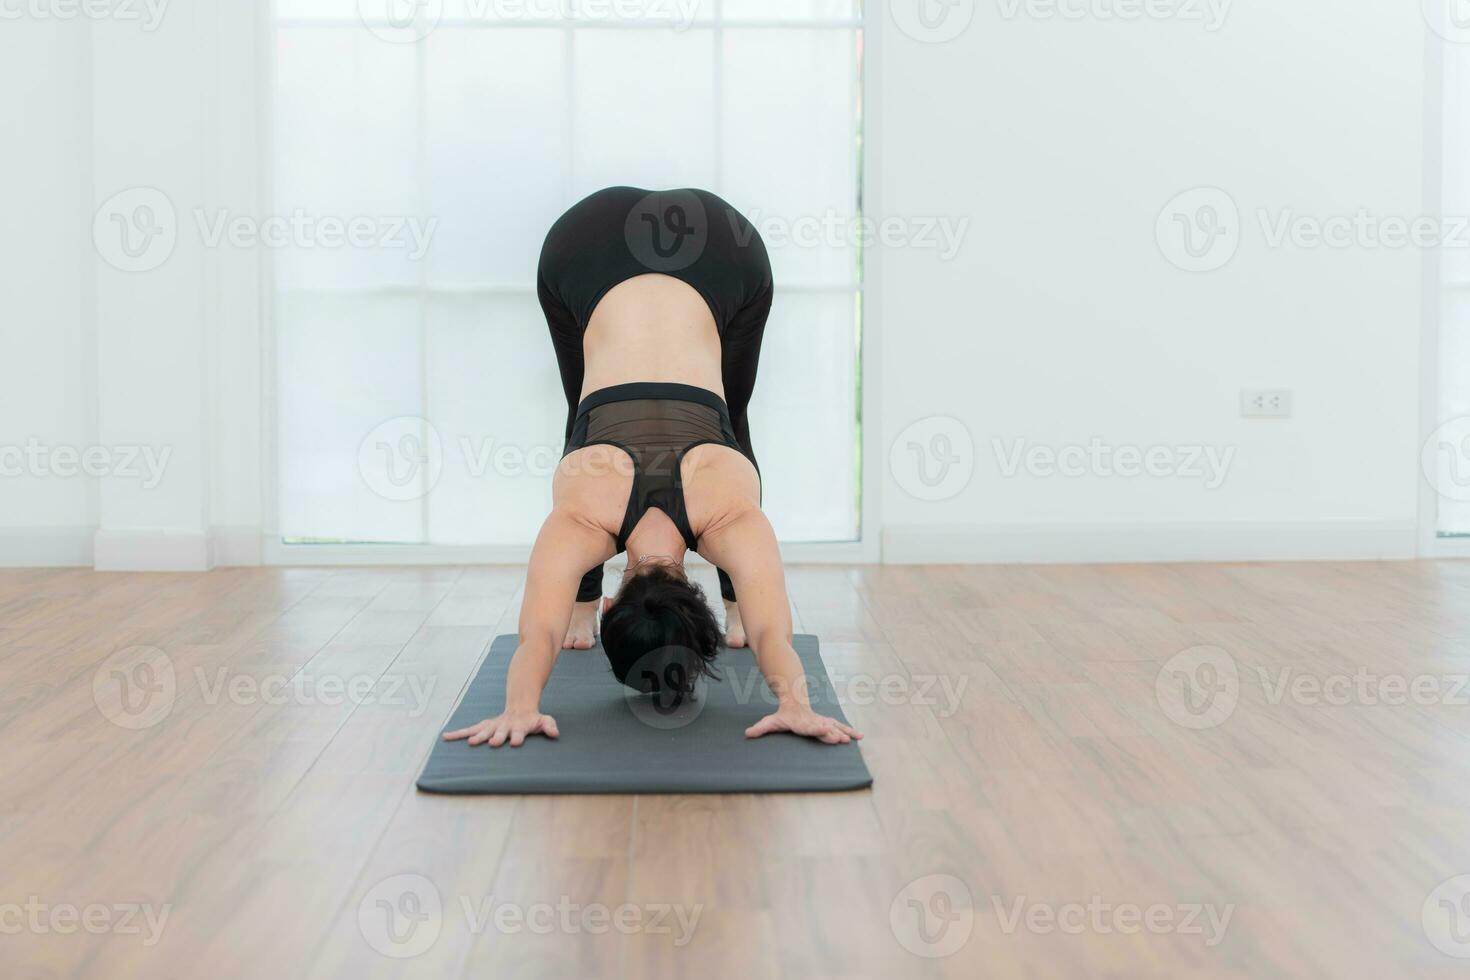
(46, 391)
(161, 364)
(1061, 319)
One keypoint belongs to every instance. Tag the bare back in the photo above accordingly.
(652, 328)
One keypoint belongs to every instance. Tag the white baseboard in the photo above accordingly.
(1087, 544)
(160, 550)
(236, 546)
(46, 547)
(151, 550)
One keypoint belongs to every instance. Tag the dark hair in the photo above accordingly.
(659, 634)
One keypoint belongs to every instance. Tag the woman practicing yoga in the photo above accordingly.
(656, 303)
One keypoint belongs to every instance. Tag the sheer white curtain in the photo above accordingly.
(418, 394)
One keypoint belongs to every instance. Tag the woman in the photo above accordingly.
(656, 303)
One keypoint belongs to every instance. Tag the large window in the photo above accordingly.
(421, 152)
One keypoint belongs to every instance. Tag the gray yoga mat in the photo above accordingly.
(614, 740)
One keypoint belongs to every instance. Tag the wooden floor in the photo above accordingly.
(1068, 783)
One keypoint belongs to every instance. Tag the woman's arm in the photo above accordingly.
(744, 544)
(566, 547)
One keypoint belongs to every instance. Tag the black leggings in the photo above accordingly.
(593, 247)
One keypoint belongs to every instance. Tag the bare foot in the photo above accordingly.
(582, 630)
(734, 629)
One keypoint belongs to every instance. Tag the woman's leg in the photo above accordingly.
(740, 354)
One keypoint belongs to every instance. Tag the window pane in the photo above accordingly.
(790, 145)
(802, 417)
(347, 102)
(347, 366)
(644, 109)
(498, 151)
(497, 403)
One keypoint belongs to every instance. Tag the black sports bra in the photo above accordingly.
(655, 423)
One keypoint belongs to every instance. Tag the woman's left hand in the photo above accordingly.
(804, 721)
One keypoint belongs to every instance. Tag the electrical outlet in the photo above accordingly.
(1265, 403)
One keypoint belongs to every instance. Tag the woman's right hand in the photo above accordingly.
(511, 724)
